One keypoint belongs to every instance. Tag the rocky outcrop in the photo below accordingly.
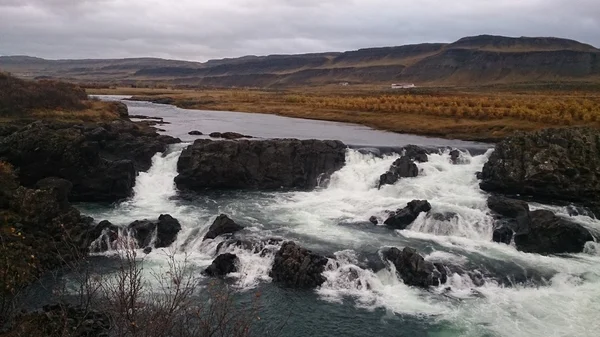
(416, 153)
(228, 135)
(549, 234)
(557, 164)
(260, 164)
(223, 265)
(61, 187)
(100, 160)
(402, 218)
(222, 225)
(403, 167)
(414, 270)
(40, 231)
(507, 207)
(166, 228)
(298, 267)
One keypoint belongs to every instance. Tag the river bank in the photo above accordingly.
(483, 115)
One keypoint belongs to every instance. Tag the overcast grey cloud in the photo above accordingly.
(206, 29)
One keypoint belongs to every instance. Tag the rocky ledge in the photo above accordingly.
(258, 164)
(560, 164)
(100, 159)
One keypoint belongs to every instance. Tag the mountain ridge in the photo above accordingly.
(482, 59)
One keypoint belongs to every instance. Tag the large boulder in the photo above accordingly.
(416, 153)
(260, 164)
(298, 267)
(222, 225)
(402, 218)
(166, 229)
(414, 270)
(403, 167)
(557, 164)
(223, 265)
(507, 207)
(100, 160)
(549, 234)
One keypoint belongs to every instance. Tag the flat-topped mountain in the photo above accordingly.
(476, 60)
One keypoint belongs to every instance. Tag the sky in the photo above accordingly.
(200, 30)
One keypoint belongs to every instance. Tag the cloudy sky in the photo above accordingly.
(207, 29)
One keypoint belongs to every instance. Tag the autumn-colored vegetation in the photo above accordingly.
(49, 100)
(474, 114)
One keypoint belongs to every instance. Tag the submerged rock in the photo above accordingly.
(298, 267)
(502, 235)
(260, 164)
(403, 167)
(414, 270)
(222, 225)
(557, 164)
(549, 234)
(374, 220)
(405, 216)
(455, 156)
(195, 133)
(223, 265)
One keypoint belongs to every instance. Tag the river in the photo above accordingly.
(541, 295)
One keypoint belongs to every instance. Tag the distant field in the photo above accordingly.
(485, 114)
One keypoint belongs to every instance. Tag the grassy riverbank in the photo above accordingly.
(485, 114)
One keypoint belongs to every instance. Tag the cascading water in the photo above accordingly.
(555, 296)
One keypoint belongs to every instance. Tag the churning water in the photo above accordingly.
(523, 295)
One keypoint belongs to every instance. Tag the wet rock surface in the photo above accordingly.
(261, 164)
(298, 267)
(222, 225)
(100, 160)
(402, 218)
(403, 167)
(414, 270)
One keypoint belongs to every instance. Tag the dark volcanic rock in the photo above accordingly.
(61, 187)
(454, 156)
(167, 229)
(373, 220)
(549, 234)
(195, 133)
(298, 267)
(405, 216)
(143, 231)
(54, 319)
(559, 164)
(403, 167)
(222, 225)
(105, 234)
(507, 207)
(100, 160)
(416, 153)
(222, 265)
(228, 135)
(502, 235)
(414, 270)
(261, 164)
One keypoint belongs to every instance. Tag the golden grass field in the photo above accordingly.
(471, 114)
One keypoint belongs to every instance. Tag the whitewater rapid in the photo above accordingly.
(550, 295)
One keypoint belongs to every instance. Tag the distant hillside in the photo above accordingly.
(477, 60)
